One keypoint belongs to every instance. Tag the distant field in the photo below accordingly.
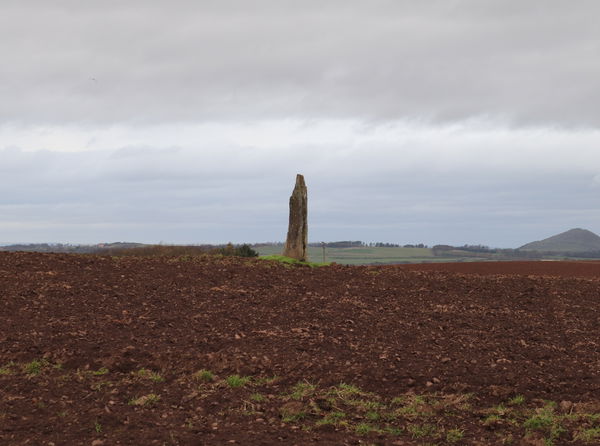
(361, 256)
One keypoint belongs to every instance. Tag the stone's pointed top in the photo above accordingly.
(300, 180)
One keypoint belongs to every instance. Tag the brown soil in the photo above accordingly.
(587, 268)
(102, 351)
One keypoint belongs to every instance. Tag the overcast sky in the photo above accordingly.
(450, 121)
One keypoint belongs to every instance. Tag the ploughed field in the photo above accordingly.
(208, 350)
(582, 268)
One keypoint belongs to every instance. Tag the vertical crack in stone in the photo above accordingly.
(297, 237)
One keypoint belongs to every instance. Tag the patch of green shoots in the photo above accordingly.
(416, 406)
(545, 422)
(517, 400)
(399, 400)
(365, 428)
(348, 393)
(235, 381)
(301, 390)
(370, 405)
(294, 417)
(422, 430)
(146, 400)
(34, 367)
(6, 369)
(204, 375)
(258, 397)
(372, 415)
(538, 422)
(332, 418)
(266, 380)
(293, 262)
(491, 419)
(149, 374)
(588, 436)
(393, 430)
(454, 435)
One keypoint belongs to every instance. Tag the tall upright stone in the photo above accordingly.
(297, 237)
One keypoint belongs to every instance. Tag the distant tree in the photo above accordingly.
(228, 250)
(239, 251)
(345, 244)
(245, 251)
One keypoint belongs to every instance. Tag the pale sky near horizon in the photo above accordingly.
(454, 121)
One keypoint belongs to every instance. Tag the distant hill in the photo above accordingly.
(574, 240)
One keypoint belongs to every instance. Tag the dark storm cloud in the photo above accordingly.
(533, 62)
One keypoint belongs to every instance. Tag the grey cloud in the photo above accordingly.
(531, 63)
(108, 195)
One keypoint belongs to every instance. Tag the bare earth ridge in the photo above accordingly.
(208, 350)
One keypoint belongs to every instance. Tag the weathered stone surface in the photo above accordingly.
(297, 237)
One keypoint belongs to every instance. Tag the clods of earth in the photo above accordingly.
(216, 351)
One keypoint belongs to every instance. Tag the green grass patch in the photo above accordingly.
(492, 419)
(149, 374)
(414, 406)
(372, 415)
(292, 412)
(293, 417)
(290, 261)
(422, 430)
(35, 367)
(545, 422)
(7, 368)
(302, 390)
(235, 381)
(265, 380)
(100, 385)
(332, 418)
(517, 400)
(204, 375)
(392, 430)
(454, 435)
(359, 256)
(146, 400)
(258, 397)
(365, 428)
(347, 393)
(501, 410)
(588, 436)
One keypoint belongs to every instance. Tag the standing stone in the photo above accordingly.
(297, 237)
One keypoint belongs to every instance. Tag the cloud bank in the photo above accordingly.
(455, 121)
(405, 184)
(151, 61)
